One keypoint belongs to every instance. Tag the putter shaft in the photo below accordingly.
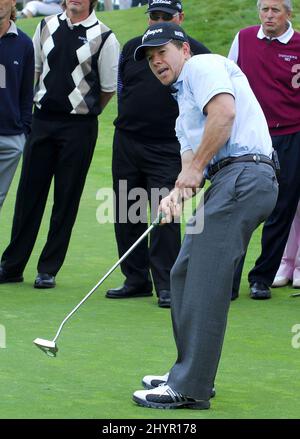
(154, 224)
(49, 346)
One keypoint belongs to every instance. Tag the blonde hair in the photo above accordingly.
(93, 4)
(13, 14)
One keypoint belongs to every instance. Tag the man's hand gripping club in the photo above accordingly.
(188, 183)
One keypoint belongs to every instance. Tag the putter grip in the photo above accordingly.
(158, 219)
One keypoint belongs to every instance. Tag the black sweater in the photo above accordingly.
(146, 108)
(16, 83)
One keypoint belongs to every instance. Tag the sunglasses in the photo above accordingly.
(165, 16)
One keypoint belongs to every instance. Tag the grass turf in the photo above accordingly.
(109, 345)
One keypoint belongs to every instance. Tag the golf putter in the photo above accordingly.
(295, 295)
(49, 346)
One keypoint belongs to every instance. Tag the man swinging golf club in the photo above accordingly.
(224, 137)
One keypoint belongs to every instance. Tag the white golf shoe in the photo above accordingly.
(163, 397)
(296, 283)
(152, 381)
(280, 281)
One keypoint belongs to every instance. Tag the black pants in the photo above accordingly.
(137, 164)
(277, 227)
(62, 150)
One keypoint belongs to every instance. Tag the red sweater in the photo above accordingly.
(273, 71)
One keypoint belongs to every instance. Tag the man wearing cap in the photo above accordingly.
(146, 155)
(224, 136)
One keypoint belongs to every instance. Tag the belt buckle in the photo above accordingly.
(218, 165)
(256, 158)
(213, 169)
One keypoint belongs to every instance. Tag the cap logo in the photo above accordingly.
(178, 34)
(157, 2)
(151, 33)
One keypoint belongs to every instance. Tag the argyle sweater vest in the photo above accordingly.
(69, 82)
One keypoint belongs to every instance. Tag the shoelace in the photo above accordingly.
(163, 383)
(176, 396)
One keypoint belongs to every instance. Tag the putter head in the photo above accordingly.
(47, 346)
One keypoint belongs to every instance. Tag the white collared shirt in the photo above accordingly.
(284, 39)
(12, 28)
(202, 78)
(87, 22)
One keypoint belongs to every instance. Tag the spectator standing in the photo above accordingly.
(289, 270)
(76, 58)
(146, 155)
(224, 136)
(16, 93)
(269, 56)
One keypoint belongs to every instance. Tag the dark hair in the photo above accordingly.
(177, 43)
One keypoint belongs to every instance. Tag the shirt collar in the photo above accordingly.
(284, 38)
(12, 28)
(89, 21)
(179, 81)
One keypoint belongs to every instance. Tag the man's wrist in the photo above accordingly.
(197, 166)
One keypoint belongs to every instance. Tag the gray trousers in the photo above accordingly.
(11, 148)
(241, 196)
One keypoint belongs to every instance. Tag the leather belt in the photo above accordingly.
(256, 158)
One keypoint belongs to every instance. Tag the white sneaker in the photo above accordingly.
(296, 283)
(163, 397)
(152, 381)
(280, 281)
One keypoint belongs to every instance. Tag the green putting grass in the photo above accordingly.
(106, 348)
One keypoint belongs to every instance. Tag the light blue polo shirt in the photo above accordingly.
(202, 78)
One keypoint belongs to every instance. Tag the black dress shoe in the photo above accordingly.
(164, 299)
(44, 280)
(259, 291)
(126, 292)
(9, 278)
